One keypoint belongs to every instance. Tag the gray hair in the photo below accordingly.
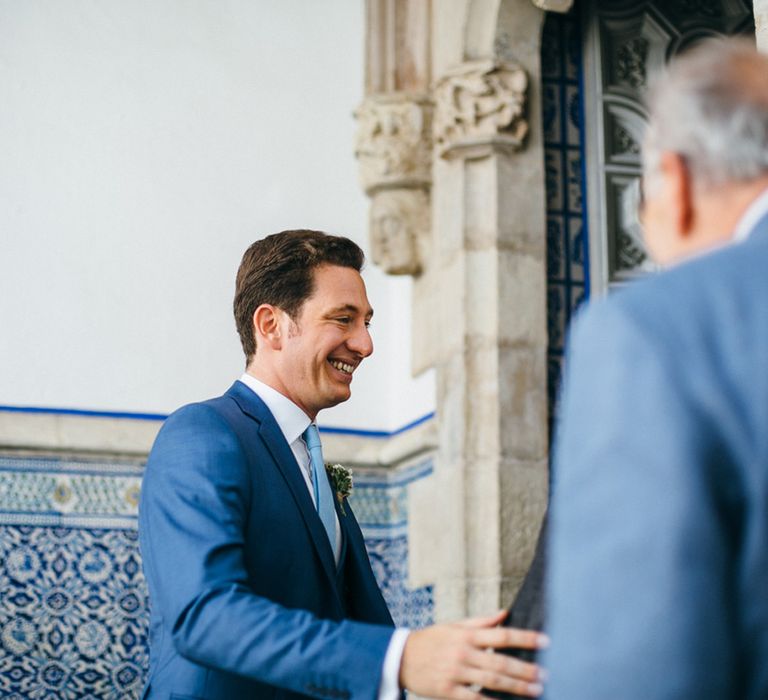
(711, 107)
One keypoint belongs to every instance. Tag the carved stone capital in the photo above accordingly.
(399, 225)
(394, 141)
(479, 108)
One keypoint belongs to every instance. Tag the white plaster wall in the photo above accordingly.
(144, 144)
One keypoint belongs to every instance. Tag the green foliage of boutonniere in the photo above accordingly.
(341, 478)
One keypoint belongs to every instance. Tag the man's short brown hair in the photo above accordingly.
(279, 270)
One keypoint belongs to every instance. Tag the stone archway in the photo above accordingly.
(467, 217)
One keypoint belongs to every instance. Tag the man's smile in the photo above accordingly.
(344, 367)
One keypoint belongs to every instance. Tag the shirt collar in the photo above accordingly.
(755, 211)
(291, 420)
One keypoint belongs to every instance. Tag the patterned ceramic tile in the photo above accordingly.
(73, 618)
(578, 297)
(556, 319)
(553, 179)
(556, 245)
(571, 38)
(73, 601)
(567, 245)
(551, 113)
(389, 560)
(380, 501)
(574, 179)
(379, 498)
(551, 59)
(576, 250)
(573, 115)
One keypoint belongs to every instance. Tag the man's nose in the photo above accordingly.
(361, 341)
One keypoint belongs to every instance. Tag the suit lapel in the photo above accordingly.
(281, 453)
(342, 526)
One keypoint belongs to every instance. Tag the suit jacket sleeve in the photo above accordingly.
(192, 513)
(640, 548)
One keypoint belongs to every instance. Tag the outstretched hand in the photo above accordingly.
(456, 660)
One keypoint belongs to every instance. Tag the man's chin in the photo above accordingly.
(339, 396)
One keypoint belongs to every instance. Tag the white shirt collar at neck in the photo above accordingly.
(291, 420)
(755, 211)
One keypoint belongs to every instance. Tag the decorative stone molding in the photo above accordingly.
(394, 141)
(632, 62)
(73, 433)
(46, 434)
(480, 106)
(399, 221)
(394, 149)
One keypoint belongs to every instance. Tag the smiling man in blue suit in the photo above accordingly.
(659, 550)
(260, 585)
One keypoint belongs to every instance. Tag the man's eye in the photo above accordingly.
(367, 324)
(343, 319)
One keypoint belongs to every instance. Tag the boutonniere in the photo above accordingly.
(341, 478)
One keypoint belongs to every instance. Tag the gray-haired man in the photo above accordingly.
(659, 571)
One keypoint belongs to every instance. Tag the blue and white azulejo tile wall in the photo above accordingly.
(567, 243)
(381, 506)
(73, 601)
(73, 605)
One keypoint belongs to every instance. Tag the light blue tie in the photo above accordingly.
(323, 494)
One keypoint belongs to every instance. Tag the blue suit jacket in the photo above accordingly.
(659, 552)
(245, 598)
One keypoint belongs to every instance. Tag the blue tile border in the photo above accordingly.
(84, 413)
(159, 417)
(69, 494)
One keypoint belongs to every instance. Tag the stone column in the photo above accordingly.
(394, 142)
(394, 150)
(475, 522)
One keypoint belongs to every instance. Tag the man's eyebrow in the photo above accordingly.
(349, 308)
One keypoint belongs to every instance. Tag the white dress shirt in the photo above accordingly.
(292, 422)
(754, 212)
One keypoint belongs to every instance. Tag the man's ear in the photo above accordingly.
(266, 326)
(679, 193)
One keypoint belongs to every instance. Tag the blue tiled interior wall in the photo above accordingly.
(381, 507)
(73, 602)
(567, 244)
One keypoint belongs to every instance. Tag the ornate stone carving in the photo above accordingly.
(624, 141)
(631, 59)
(394, 141)
(631, 254)
(394, 150)
(481, 104)
(399, 221)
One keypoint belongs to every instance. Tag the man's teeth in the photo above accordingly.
(342, 366)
